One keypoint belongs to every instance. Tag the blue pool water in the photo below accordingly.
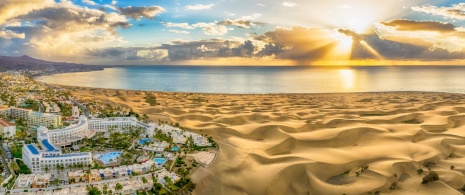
(175, 149)
(105, 158)
(143, 141)
(160, 161)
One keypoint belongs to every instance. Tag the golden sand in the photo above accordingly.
(318, 143)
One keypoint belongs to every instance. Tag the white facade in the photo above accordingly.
(50, 156)
(8, 129)
(37, 160)
(44, 119)
(16, 113)
(67, 135)
(75, 111)
(32, 118)
(119, 124)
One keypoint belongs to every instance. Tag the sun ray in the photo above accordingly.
(371, 50)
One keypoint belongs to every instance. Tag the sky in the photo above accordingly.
(235, 32)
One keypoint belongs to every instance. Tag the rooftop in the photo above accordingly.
(49, 146)
(5, 123)
(33, 149)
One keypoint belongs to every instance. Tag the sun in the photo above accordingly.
(357, 24)
(342, 49)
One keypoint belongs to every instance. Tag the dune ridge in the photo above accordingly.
(317, 143)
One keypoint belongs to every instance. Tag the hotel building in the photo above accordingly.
(47, 153)
(32, 118)
(44, 119)
(120, 124)
(50, 157)
(68, 135)
(8, 129)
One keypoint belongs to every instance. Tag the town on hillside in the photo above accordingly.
(54, 143)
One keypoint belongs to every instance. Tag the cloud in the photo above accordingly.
(179, 31)
(456, 11)
(211, 28)
(441, 35)
(8, 34)
(112, 7)
(153, 55)
(141, 12)
(197, 7)
(289, 4)
(89, 2)
(251, 17)
(183, 25)
(63, 31)
(239, 23)
(12, 8)
(411, 25)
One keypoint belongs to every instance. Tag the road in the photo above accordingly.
(41, 107)
(86, 112)
(4, 160)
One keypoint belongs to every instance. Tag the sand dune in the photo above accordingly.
(319, 143)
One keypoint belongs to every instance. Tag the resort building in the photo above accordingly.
(8, 129)
(75, 111)
(33, 180)
(120, 124)
(66, 136)
(44, 119)
(50, 157)
(32, 118)
(15, 113)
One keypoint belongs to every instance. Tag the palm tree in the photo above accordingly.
(46, 168)
(118, 187)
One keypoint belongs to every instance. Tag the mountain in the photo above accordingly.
(26, 63)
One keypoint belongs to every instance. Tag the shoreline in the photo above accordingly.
(239, 94)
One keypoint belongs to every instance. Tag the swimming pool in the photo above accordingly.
(143, 141)
(175, 148)
(105, 158)
(160, 161)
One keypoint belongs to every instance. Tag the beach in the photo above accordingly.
(353, 143)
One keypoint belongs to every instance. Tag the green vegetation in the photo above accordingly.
(66, 109)
(432, 176)
(93, 191)
(412, 121)
(419, 171)
(162, 137)
(151, 100)
(16, 150)
(20, 167)
(32, 104)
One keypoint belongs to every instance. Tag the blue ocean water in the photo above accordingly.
(263, 80)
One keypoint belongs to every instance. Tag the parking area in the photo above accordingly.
(6, 157)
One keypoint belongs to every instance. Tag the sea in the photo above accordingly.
(268, 80)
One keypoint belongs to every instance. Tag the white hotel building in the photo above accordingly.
(32, 118)
(119, 124)
(50, 155)
(67, 135)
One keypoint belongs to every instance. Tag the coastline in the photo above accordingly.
(278, 139)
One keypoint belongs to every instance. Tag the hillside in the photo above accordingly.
(37, 66)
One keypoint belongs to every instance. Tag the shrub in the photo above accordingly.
(452, 167)
(432, 176)
(419, 171)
